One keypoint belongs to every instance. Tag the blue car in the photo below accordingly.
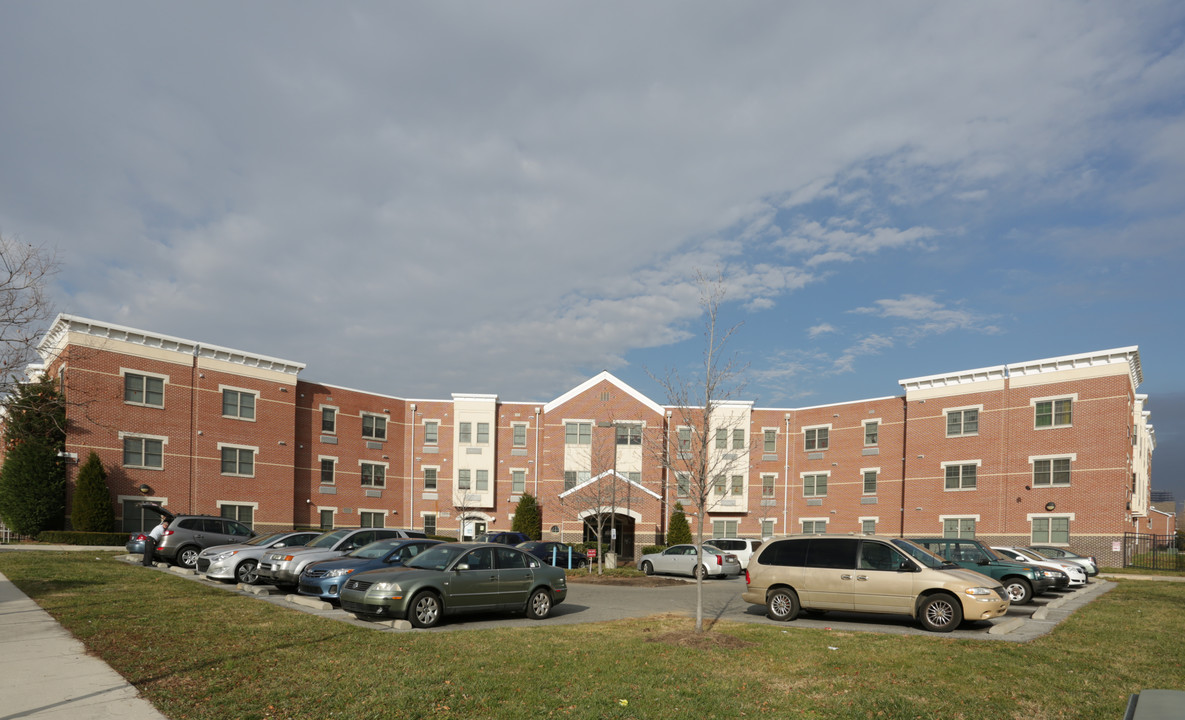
(324, 579)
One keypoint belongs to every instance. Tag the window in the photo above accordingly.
(960, 477)
(578, 433)
(143, 390)
(326, 519)
(868, 527)
(243, 513)
(1054, 472)
(483, 433)
(958, 527)
(328, 420)
(430, 478)
(1054, 530)
(962, 422)
(871, 432)
(724, 528)
(721, 439)
(767, 528)
(719, 485)
(738, 439)
(770, 441)
(817, 438)
(430, 524)
(464, 433)
(629, 434)
(238, 461)
(374, 427)
(431, 432)
(373, 475)
(143, 452)
(767, 485)
(463, 482)
(518, 482)
(520, 435)
(1054, 413)
(327, 465)
(870, 482)
(370, 519)
(483, 480)
(683, 485)
(814, 485)
(814, 527)
(738, 485)
(684, 439)
(634, 477)
(238, 404)
(136, 518)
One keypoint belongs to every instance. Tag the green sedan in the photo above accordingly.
(456, 578)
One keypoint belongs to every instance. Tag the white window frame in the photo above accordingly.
(864, 426)
(163, 439)
(1068, 517)
(946, 412)
(815, 490)
(814, 521)
(362, 477)
(435, 477)
(942, 520)
(125, 372)
(435, 424)
(581, 438)
(238, 459)
(517, 474)
(336, 411)
(816, 428)
(515, 429)
(1071, 397)
(375, 416)
(373, 511)
(765, 440)
(772, 485)
(1034, 459)
(869, 519)
(238, 414)
(864, 481)
(321, 469)
(961, 463)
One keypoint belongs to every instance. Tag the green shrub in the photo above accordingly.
(527, 517)
(74, 537)
(679, 532)
(654, 549)
(92, 511)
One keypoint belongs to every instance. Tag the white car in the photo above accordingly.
(683, 560)
(1075, 571)
(743, 548)
(1089, 564)
(238, 561)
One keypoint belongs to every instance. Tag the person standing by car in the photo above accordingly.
(153, 539)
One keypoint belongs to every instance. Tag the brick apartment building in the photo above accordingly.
(1056, 450)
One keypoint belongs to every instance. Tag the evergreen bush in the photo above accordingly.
(528, 520)
(678, 532)
(92, 511)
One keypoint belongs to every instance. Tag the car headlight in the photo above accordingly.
(977, 591)
(385, 587)
(225, 555)
(338, 572)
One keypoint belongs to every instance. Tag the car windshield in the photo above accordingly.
(436, 558)
(329, 539)
(1029, 554)
(375, 550)
(265, 539)
(529, 545)
(921, 554)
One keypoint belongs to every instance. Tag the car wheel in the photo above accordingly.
(425, 610)
(701, 572)
(1019, 591)
(781, 605)
(539, 604)
(581, 564)
(245, 572)
(647, 568)
(187, 557)
(940, 613)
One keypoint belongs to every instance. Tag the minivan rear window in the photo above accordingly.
(836, 553)
(787, 553)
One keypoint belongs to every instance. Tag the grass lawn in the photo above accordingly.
(199, 652)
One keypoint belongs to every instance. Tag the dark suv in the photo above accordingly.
(188, 535)
(502, 538)
(1020, 581)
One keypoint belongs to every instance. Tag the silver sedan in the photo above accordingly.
(684, 560)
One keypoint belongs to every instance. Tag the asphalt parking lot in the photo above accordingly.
(591, 603)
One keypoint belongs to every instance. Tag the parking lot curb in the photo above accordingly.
(1003, 628)
(309, 602)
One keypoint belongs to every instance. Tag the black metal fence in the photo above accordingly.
(1152, 552)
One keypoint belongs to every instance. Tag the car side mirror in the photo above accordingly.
(461, 566)
(906, 567)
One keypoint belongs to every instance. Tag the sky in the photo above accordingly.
(424, 198)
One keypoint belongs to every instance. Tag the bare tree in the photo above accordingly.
(595, 498)
(24, 307)
(699, 412)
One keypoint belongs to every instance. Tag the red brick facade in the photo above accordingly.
(1055, 450)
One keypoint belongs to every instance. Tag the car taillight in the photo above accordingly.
(719, 559)
(746, 576)
(141, 537)
(167, 532)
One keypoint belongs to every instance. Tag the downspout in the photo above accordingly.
(904, 456)
(411, 498)
(537, 421)
(193, 412)
(786, 475)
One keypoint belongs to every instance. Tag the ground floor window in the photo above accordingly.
(1052, 530)
(430, 524)
(767, 528)
(958, 527)
(868, 527)
(326, 519)
(370, 519)
(243, 513)
(724, 528)
(136, 518)
(814, 527)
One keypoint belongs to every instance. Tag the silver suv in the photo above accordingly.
(188, 535)
(283, 567)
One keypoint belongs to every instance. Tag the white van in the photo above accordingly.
(743, 548)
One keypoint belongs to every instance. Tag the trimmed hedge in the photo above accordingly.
(74, 537)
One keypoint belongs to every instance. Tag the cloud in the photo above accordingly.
(923, 315)
(820, 329)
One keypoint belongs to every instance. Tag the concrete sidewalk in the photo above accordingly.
(48, 674)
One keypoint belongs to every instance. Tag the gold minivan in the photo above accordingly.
(868, 573)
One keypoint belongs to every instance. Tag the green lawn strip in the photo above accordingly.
(199, 652)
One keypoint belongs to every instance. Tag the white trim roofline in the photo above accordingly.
(1129, 355)
(599, 377)
(592, 480)
(65, 323)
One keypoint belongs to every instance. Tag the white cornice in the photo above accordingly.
(1129, 355)
(591, 382)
